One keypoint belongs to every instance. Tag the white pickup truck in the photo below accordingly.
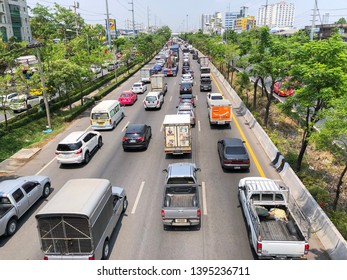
(277, 228)
(17, 196)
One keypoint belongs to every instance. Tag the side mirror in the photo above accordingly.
(197, 169)
(164, 170)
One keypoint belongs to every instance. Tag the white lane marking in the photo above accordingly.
(196, 98)
(199, 126)
(204, 203)
(43, 168)
(125, 126)
(138, 197)
(161, 128)
(170, 98)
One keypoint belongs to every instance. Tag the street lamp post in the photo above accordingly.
(36, 45)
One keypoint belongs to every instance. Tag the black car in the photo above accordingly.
(137, 136)
(186, 87)
(185, 69)
(233, 154)
(187, 98)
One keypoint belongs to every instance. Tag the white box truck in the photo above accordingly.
(145, 74)
(158, 83)
(177, 134)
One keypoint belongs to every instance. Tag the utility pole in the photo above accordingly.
(108, 26)
(132, 10)
(148, 18)
(265, 13)
(187, 23)
(313, 20)
(76, 5)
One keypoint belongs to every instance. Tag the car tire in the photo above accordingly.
(99, 142)
(105, 250)
(125, 204)
(46, 190)
(11, 227)
(87, 157)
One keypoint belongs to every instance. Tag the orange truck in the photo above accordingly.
(220, 112)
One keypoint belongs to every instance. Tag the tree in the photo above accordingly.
(341, 21)
(332, 137)
(320, 69)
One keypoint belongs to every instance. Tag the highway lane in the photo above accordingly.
(140, 234)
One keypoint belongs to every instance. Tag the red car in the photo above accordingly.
(127, 98)
(284, 88)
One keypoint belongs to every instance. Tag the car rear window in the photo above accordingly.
(69, 147)
(181, 180)
(137, 85)
(217, 97)
(125, 95)
(235, 150)
(205, 81)
(100, 116)
(151, 98)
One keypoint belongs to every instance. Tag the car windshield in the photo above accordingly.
(69, 147)
(235, 150)
(100, 116)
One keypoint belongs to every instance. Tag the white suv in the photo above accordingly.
(139, 87)
(78, 147)
(153, 100)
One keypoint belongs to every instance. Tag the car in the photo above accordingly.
(190, 98)
(233, 154)
(187, 109)
(6, 99)
(137, 136)
(195, 56)
(78, 147)
(112, 66)
(95, 69)
(186, 87)
(139, 87)
(284, 88)
(185, 69)
(213, 96)
(187, 78)
(153, 100)
(191, 72)
(156, 69)
(181, 173)
(25, 102)
(127, 98)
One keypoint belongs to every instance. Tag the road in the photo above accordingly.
(140, 234)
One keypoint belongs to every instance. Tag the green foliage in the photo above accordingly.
(339, 218)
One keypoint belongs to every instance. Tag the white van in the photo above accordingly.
(77, 223)
(106, 115)
(153, 100)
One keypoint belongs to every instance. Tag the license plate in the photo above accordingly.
(132, 141)
(221, 122)
(100, 123)
(237, 167)
(180, 220)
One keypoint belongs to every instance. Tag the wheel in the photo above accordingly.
(123, 115)
(11, 227)
(106, 250)
(125, 205)
(86, 157)
(99, 142)
(46, 190)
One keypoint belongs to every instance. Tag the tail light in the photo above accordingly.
(78, 152)
(163, 213)
(259, 247)
(57, 153)
(157, 101)
(91, 258)
(307, 247)
(45, 258)
(141, 138)
(190, 88)
(124, 139)
(198, 213)
(110, 121)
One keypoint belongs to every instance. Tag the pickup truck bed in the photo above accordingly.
(277, 231)
(181, 200)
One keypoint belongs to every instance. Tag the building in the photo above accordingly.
(231, 17)
(276, 15)
(212, 23)
(14, 20)
(245, 23)
(325, 31)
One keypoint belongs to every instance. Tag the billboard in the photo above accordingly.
(112, 26)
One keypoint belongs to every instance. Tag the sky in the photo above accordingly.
(185, 15)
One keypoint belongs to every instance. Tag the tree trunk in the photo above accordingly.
(338, 188)
(5, 116)
(232, 77)
(304, 141)
(255, 85)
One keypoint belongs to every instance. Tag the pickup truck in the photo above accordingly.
(181, 203)
(16, 198)
(277, 228)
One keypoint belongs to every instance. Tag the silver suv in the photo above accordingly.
(78, 147)
(181, 173)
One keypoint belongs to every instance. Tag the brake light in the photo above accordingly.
(57, 153)
(157, 101)
(124, 139)
(259, 247)
(198, 213)
(307, 247)
(45, 258)
(163, 213)
(110, 121)
(91, 258)
(78, 152)
(141, 138)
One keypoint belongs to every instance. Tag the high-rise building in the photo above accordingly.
(212, 23)
(245, 23)
(276, 15)
(231, 17)
(206, 23)
(14, 20)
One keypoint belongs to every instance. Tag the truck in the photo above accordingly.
(77, 223)
(220, 112)
(204, 61)
(181, 206)
(158, 84)
(171, 68)
(17, 196)
(145, 74)
(277, 227)
(177, 134)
